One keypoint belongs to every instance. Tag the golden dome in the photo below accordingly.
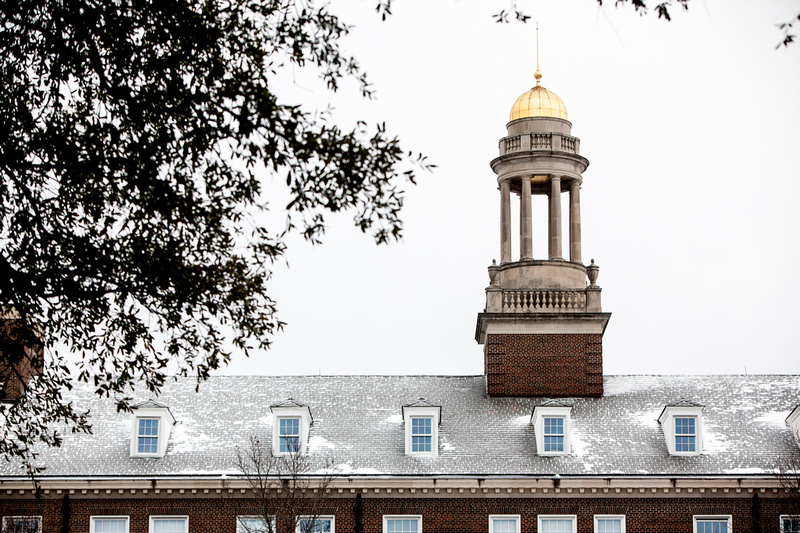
(539, 102)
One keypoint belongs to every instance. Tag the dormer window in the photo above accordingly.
(794, 423)
(150, 429)
(290, 427)
(422, 420)
(682, 423)
(551, 422)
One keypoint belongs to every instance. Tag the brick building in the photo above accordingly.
(543, 442)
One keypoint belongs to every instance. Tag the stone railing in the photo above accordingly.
(543, 300)
(539, 141)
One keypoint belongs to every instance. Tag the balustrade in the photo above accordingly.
(539, 300)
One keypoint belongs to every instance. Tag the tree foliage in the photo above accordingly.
(135, 138)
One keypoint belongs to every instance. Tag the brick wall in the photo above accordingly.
(439, 515)
(544, 365)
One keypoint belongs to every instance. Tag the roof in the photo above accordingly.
(360, 428)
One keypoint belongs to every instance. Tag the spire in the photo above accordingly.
(538, 74)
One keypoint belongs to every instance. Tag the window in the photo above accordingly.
(253, 524)
(169, 524)
(147, 435)
(504, 523)
(790, 524)
(712, 524)
(109, 524)
(609, 523)
(421, 434)
(551, 422)
(150, 429)
(289, 434)
(320, 524)
(553, 434)
(557, 523)
(422, 420)
(402, 524)
(682, 423)
(22, 524)
(685, 434)
(290, 427)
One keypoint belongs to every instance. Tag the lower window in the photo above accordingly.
(609, 523)
(169, 524)
(22, 524)
(254, 524)
(790, 524)
(402, 524)
(108, 524)
(504, 523)
(319, 524)
(557, 523)
(712, 524)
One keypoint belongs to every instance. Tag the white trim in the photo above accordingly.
(609, 517)
(788, 517)
(493, 517)
(240, 528)
(572, 517)
(170, 517)
(417, 517)
(93, 518)
(716, 518)
(412, 412)
(319, 518)
(303, 414)
(794, 423)
(667, 421)
(165, 423)
(540, 412)
(23, 517)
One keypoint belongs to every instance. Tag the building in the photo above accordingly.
(542, 442)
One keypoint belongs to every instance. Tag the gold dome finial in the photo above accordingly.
(538, 102)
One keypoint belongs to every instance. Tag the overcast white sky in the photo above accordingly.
(689, 204)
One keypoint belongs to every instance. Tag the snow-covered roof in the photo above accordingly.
(358, 426)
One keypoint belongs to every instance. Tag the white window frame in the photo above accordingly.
(280, 412)
(317, 518)
(240, 527)
(165, 423)
(432, 412)
(94, 518)
(620, 517)
(417, 517)
(716, 518)
(23, 517)
(572, 517)
(493, 517)
(540, 412)
(667, 421)
(153, 518)
(788, 517)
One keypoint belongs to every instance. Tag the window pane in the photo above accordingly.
(169, 525)
(790, 525)
(319, 525)
(684, 426)
(20, 524)
(504, 525)
(684, 444)
(556, 525)
(554, 444)
(253, 525)
(402, 525)
(609, 525)
(712, 526)
(290, 426)
(110, 525)
(553, 426)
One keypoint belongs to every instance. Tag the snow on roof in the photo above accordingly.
(357, 426)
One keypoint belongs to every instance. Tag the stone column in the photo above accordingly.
(525, 221)
(575, 221)
(555, 217)
(505, 222)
